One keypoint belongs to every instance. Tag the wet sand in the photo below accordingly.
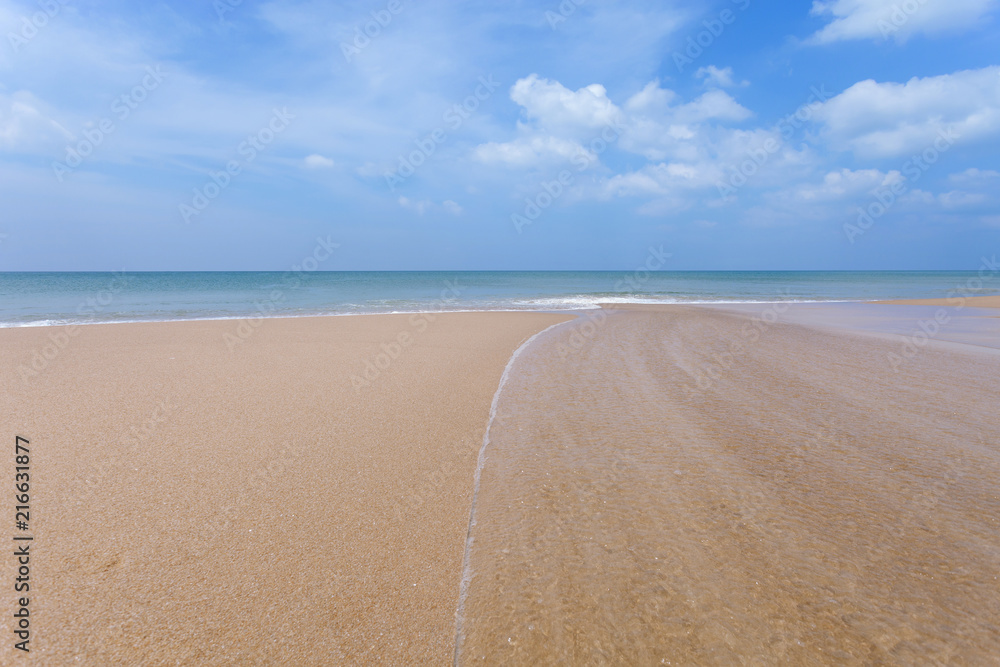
(194, 504)
(967, 301)
(694, 486)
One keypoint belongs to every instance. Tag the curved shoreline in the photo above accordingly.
(480, 461)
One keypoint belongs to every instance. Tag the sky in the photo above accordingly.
(447, 135)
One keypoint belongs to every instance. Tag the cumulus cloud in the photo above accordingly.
(844, 184)
(529, 151)
(893, 19)
(563, 124)
(888, 119)
(976, 177)
(836, 195)
(694, 149)
(956, 199)
(554, 106)
(654, 179)
(316, 161)
(844, 192)
(690, 146)
(975, 189)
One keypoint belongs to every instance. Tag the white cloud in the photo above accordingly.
(452, 207)
(316, 161)
(707, 164)
(977, 189)
(840, 194)
(886, 119)
(24, 125)
(713, 105)
(370, 170)
(651, 99)
(554, 106)
(893, 19)
(836, 195)
(659, 130)
(688, 145)
(842, 184)
(975, 177)
(713, 76)
(529, 151)
(562, 123)
(420, 206)
(958, 199)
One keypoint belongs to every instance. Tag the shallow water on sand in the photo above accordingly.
(647, 499)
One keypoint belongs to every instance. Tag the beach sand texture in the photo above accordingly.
(268, 512)
(800, 502)
(689, 486)
(959, 299)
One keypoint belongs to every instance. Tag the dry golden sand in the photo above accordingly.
(968, 302)
(194, 504)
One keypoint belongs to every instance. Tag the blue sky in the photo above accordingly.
(838, 134)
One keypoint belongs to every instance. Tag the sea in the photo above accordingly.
(57, 298)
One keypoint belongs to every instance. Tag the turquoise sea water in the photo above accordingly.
(33, 299)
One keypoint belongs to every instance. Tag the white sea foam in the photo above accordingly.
(480, 462)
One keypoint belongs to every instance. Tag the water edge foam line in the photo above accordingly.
(480, 462)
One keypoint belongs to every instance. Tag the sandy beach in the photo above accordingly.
(673, 483)
(966, 301)
(196, 504)
(530, 334)
(691, 485)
